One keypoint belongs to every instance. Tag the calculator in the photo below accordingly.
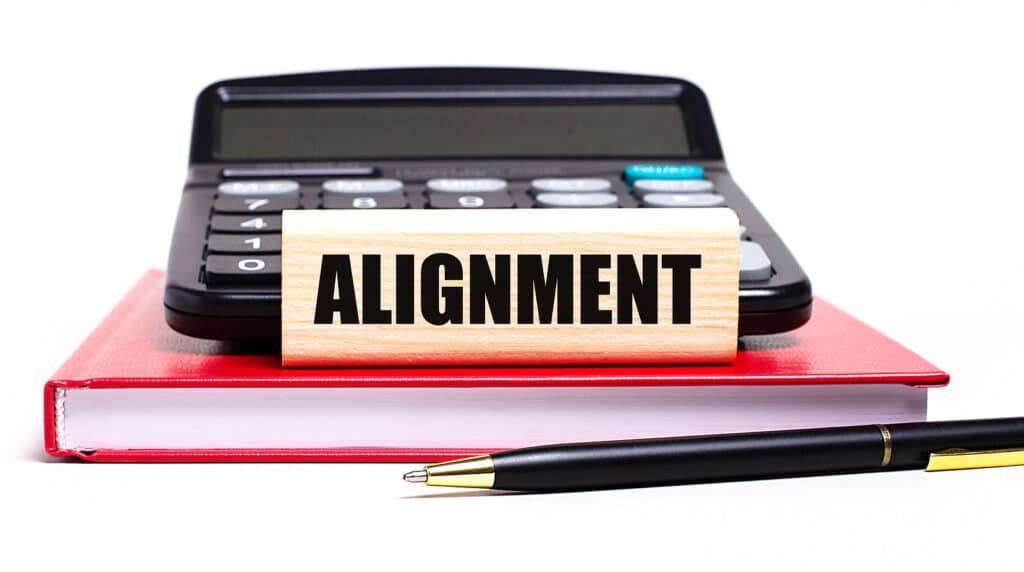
(443, 138)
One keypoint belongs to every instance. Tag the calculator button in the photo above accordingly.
(634, 172)
(244, 243)
(571, 185)
(642, 186)
(678, 200)
(470, 201)
(467, 186)
(254, 269)
(754, 263)
(373, 201)
(362, 186)
(266, 204)
(577, 200)
(259, 188)
(245, 223)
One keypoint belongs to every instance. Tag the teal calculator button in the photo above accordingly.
(634, 172)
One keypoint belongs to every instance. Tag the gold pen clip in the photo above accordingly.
(955, 459)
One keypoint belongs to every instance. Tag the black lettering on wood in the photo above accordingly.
(336, 271)
(493, 290)
(373, 313)
(430, 289)
(681, 265)
(544, 288)
(634, 288)
(592, 288)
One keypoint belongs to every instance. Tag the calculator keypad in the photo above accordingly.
(244, 239)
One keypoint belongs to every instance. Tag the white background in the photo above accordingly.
(882, 140)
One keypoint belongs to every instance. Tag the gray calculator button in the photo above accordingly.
(481, 201)
(467, 185)
(577, 200)
(370, 201)
(571, 185)
(362, 186)
(244, 244)
(254, 223)
(258, 188)
(754, 263)
(673, 186)
(255, 203)
(254, 269)
(679, 200)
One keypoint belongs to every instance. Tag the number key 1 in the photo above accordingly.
(242, 244)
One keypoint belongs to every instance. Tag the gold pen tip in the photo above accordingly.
(415, 477)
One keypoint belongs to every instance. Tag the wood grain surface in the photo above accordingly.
(710, 337)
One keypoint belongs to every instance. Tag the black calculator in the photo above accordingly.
(443, 138)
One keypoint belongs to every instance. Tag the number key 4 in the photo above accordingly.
(243, 223)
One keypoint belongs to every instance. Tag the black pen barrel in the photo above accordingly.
(652, 462)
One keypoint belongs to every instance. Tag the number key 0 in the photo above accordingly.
(246, 269)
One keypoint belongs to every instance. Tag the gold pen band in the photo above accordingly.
(474, 472)
(887, 444)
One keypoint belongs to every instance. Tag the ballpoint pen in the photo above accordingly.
(935, 446)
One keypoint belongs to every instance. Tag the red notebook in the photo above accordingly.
(137, 391)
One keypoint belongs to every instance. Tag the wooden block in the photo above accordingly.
(509, 286)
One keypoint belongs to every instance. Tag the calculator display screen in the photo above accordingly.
(452, 131)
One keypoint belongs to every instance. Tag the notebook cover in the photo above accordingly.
(134, 348)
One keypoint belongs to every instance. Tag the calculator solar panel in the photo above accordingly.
(443, 139)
